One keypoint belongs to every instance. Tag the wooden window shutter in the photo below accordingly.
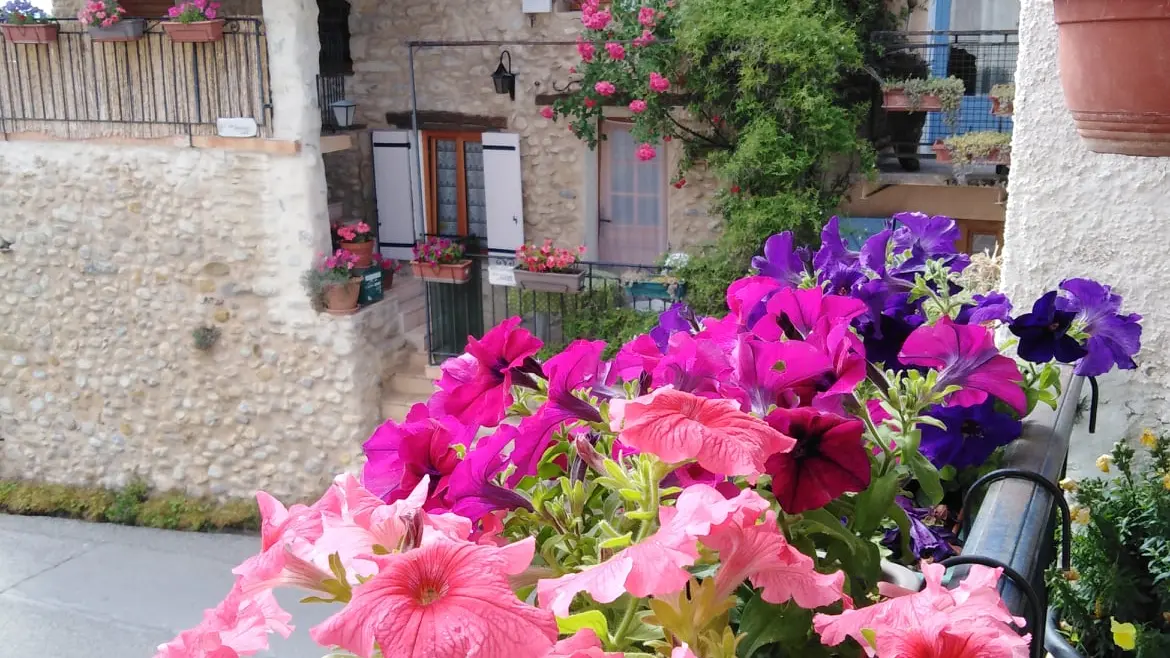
(147, 8)
(505, 196)
(396, 167)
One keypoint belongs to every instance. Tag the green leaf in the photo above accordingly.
(593, 619)
(764, 623)
(618, 542)
(872, 504)
(926, 474)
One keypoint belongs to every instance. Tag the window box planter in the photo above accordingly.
(33, 33)
(1118, 94)
(454, 273)
(569, 283)
(197, 32)
(657, 290)
(896, 100)
(343, 299)
(952, 154)
(1003, 98)
(127, 29)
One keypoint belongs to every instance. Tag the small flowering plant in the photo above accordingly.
(101, 13)
(387, 264)
(22, 12)
(355, 233)
(547, 258)
(1117, 600)
(438, 251)
(334, 270)
(723, 487)
(194, 11)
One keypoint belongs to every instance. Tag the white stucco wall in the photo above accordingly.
(1071, 213)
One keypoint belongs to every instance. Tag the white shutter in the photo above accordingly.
(400, 211)
(505, 195)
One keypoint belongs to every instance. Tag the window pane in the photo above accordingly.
(447, 186)
(476, 196)
(648, 214)
(984, 242)
(649, 174)
(623, 209)
(621, 178)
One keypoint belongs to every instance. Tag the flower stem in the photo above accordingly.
(653, 500)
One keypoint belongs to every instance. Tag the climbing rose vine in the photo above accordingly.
(720, 484)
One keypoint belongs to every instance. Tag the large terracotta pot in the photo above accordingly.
(1115, 75)
(343, 299)
(363, 250)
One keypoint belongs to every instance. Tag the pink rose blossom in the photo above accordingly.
(658, 83)
(547, 112)
(615, 50)
(637, 106)
(595, 20)
(605, 88)
(646, 153)
(586, 50)
(647, 16)
(645, 39)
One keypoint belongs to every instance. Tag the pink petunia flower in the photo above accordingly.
(443, 600)
(637, 106)
(238, 626)
(658, 83)
(966, 356)
(794, 312)
(400, 455)
(478, 390)
(615, 50)
(582, 644)
(605, 88)
(677, 427)
(645, 152)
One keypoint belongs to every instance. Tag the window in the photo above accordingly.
(632, 226)
(333, 31)
(456, 202)
(977, 236)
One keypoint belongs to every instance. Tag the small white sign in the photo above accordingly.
(502, 272)
(242, 127)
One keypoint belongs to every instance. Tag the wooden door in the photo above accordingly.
(632, 222)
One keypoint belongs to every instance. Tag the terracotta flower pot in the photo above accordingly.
(1116, 83)
(456, 273)
(127, 29)
(995, 157)
(1000, 108)
(363, 250)
(35, 33)
(342, 299)
(197, 32)
(896, 100)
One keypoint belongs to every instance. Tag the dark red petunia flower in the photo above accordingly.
(829, 459)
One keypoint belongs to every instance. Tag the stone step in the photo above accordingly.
(414, 319)
(412, 382)
(395, 408)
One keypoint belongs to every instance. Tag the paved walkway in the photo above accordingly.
(70, 589)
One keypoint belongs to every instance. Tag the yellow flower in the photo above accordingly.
(1148, 439)
(1166, 481)
(1080, 514)
(1068, 484)
(1072, 575)
(1124, 635)
(1103, 462)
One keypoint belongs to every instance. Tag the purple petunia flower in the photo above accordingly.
(928, 539)
(965, 356)
(834, 252)
(992, 307)
(1044, 335)
(971, 434)
(932, 237)
(1113, 338)
(780, 260)
(678, 317)
(472, 491)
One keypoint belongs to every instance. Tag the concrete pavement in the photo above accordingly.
(70, 589)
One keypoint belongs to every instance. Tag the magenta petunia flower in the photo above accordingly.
(829, 459)
(476, 388)
(747, 299)
(444, 599)
(795, 312)
(692, 364)
(473, 492)
(399, 456)
(965, 356)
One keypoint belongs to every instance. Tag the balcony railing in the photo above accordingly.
(152, 87)
(981, 59)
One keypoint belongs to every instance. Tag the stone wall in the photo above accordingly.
(1071, 213)
(458, 79)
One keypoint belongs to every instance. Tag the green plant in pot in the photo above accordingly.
(976, 148)
(925, 95)
(22, 22)
(658, 285)
(332, 283)
(1116, 601)
(1003, 99)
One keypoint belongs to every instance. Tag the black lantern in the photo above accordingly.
(503, 79)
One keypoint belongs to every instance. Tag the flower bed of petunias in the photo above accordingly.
(720, 486)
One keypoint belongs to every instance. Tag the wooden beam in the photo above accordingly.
(340, 142)
(432, 120)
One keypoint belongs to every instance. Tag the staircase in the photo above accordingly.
(410, 378)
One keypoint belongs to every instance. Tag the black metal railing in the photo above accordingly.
(162, 86)
(611, 294)
(980, 59)
(330, 89)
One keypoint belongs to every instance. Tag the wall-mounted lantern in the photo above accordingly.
(503, 79)
(343, 112)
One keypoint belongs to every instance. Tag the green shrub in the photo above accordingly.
(127, 503)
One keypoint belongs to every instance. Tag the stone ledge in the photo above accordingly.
(249, 145)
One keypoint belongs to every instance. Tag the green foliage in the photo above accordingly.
(979, 146)
(1121, 556)
(949, 91)
(600, 312)
(133, 505)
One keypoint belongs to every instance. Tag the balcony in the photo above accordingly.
(908, 141)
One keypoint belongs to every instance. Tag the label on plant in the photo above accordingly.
(243, 127)
(501, 271)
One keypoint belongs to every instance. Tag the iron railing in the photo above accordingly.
(330, 89)
(609, 294)
(155, 84)
(981, 59)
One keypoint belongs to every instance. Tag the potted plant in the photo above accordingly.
(194, 21)
(440, 260)
(1115, 599)
(332, 283)
(358, 239)
(925, 95)
(976, 148)
(390, 267)
(21, 22)
(549, 269)
(1002, 99)
(1117, 91)
(105, 21)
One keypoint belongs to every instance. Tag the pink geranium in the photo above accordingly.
(594, 19)
(637, 106)
(645, 39)
(443, 600)
(645, 152)
(615, 50)
(678, 427)
(605, 88)
(658, 83)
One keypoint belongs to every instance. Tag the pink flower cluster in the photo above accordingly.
(387, 264)
(637, 106)
(438, 251)
(586, 50)
(645, 39)
(615, 50)
(658, 83)
(547, 258)
(593, 17)
(191, 11)
(605, 88)
(100, 13)
(645, 152)
(359, 232)
(341, 261)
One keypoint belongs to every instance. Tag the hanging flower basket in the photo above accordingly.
(569, 283)
(127, 29)
(30, 33)
(454, 273)
(197, 32)
(1114, 84)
